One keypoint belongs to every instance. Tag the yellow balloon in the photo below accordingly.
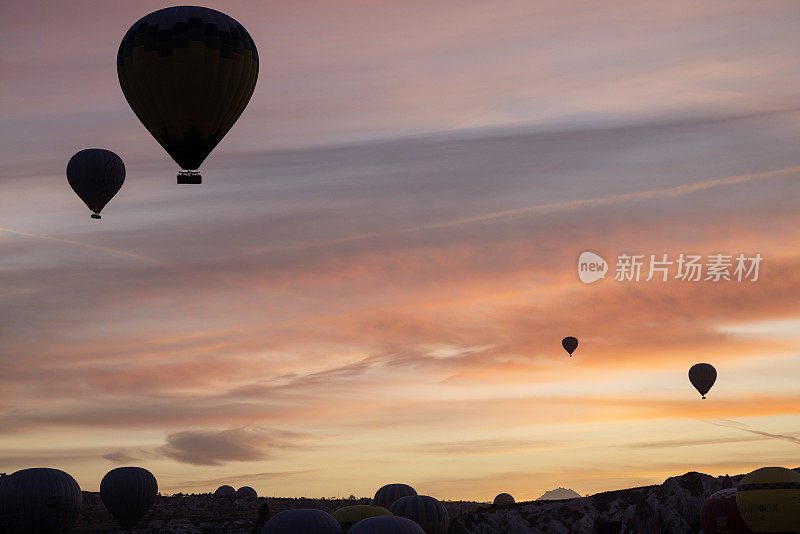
(350, 515)
(769, 500)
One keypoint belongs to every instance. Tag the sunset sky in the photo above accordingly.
(372, 283)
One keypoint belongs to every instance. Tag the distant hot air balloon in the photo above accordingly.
(225, 491)
(247, 492)
(302, 521)
(187, 73)
(503, 499)
(348, 516)
(769, 500)
(387, 524)
(719, 514)
(96, 175)
(425, 511)
(39, 500)
(128, 493)
(702, 376)
(389, 493)
(570, 344)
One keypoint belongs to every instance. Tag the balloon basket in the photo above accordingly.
(189, 177)
(96, 216)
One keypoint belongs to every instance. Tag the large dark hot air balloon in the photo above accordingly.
(719, 514)
(389, 493)
(386, 524)
(39, 500)
(128, 493)
(187, 73)
(702, 376)
(425, 511)
(768, 500)
(302, 521)
(570, 344)
(96, 175)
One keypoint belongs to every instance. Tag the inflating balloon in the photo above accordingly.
(425, 511)
(386, 525)
(570, 344)
(350, 515)
(503, 499)
(719, 514)
(96, 175)
(187, 73)
(388, 494)
(39, 500)
(225, 491)
(702, 376)
(302, 521)
(769, 500)
(128, 493)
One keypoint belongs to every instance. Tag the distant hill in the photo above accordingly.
(559, 494)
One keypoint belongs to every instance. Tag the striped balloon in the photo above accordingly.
(302, 521)
(39, 500)
(128, 493)
(769, 500)
(425, 511)
(389, 493)
(719, 514)
(386, 525)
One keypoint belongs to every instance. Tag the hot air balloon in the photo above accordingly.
(769, 500)
(388, 524)
(187, 73)
(40, 500)
(570, 344)
(225, 491)
(503, 499)
(702, 376)
(719, 514)
(128, 493)
(425, 511)
(302, 521)
(389, 493)
(350, 515)
(96, 175)
(247, 492)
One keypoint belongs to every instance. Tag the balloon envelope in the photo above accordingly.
(425, 511)
(570, 344)
(247, 491)
(719, 514)
(702, 376)
(769, 500)
(388, 494)
(96, 175)
(386, 525)
(503, 499)
(128, 493)
(225, 491)
(302, 521)
(188, 73)
(39, 500)
(350, 515)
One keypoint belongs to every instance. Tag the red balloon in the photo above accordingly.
(719, 514)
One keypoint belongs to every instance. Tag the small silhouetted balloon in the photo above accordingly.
(247, 491)
(425, 511)
(386, 524)
(389, 493)
(302, 521)
(570, 344)
(702, 376)
(503, 499)
(39, 500)
(128, 493)
(96, 175)
(225, 491)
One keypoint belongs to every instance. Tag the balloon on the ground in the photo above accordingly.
(702, 376)
(570, 344)
(350, 515)
(386, 525)
(425, 511)
(39, 500)
(225, 491)
(96, 175)
(769, 500)
(128, 493)
(503, 499)
(188, 73)
(247, 492)
(302, 521)
(719, 514)
(388, 494)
